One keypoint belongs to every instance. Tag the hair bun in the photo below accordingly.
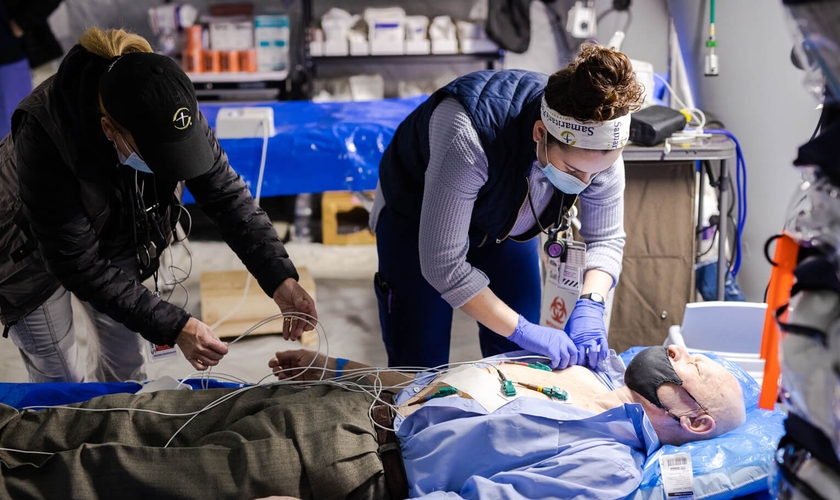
(597, 86)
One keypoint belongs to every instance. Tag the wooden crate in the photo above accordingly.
(222, 290)
(333, 205)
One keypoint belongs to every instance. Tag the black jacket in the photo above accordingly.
(509, 24)
(78, 202)
(38, 43)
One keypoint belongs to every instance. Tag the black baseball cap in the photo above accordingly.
(152, 97)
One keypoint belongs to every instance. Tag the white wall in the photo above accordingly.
(647, 36)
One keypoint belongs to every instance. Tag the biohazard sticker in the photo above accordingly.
(561, 288)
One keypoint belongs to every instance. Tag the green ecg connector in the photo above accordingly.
(555, 392)
(507, 388)
(445, 391)
(539, 366)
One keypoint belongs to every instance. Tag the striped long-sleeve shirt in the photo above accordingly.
(456, 172)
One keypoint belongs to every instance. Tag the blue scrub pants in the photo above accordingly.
(416, 322)
(15, 85)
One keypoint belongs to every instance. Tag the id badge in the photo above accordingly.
(161, 351)
(561, 288)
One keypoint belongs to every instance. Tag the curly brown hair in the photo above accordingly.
(599, 85)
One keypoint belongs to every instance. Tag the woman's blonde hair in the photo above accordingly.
(112, 43)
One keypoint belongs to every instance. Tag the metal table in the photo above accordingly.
(716, 148)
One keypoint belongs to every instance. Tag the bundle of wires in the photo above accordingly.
(741, 195)
(740, 172)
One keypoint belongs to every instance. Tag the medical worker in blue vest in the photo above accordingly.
(470, 180)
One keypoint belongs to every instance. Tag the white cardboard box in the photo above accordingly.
(271, 33)
(359, 48)
(336, 48)
(316, 48)
(386, 47)
(445, 46)
(478, 45)
(418, 46)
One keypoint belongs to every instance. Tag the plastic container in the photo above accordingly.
(191, 60)
(229, 61)
(248, 60)
(211, 61)
(193, 37)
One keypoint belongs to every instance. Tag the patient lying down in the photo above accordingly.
(321, 443)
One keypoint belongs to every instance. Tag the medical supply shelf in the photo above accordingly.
(306, 70)
(256, 85)
(487, 57)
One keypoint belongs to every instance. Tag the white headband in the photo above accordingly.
(611, 134)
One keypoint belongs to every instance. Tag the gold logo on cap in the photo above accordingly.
(182, 118)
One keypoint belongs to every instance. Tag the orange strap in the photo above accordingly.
(778, 294)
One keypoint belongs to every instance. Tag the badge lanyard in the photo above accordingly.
(564, 270)
(147, 252)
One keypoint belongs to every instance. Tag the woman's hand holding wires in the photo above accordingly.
(291, 298)
(550, 342)
(587, 330)
(200, 345)
(302, 364)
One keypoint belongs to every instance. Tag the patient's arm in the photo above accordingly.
(294, 364)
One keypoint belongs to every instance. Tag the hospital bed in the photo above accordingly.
(736, 465)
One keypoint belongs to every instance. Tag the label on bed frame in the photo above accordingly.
(161, 351)
(561, 288)
(677, 476)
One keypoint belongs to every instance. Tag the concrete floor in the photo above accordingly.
(345, 301)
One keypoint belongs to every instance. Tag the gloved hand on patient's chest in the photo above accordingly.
(550, 342)
(587, 330)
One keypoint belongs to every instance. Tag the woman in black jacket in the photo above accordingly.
(90, 180)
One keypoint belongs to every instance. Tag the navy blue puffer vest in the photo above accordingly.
(503, 107)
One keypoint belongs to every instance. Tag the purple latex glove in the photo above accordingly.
(587, 330)
(550, 342)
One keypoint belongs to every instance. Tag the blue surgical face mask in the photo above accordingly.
(134, 161)
(563, 181)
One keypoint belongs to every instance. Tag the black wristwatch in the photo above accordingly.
(594, 297)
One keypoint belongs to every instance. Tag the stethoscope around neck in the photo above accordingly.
(555, 246)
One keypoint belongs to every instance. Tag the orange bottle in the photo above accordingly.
(230, 61)
(248, 60)
(191, 60)
(193, 37)
(212, 61)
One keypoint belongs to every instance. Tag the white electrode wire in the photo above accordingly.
(207, 408)
(295, 315)
(375, 392)
(28, 451)
(171, 268)
(257, 196)
(695, 112)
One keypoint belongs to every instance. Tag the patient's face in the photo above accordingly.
(700, 375)
(713, 387)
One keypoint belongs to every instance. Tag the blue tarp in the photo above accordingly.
(318, 147)
(63, 393)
